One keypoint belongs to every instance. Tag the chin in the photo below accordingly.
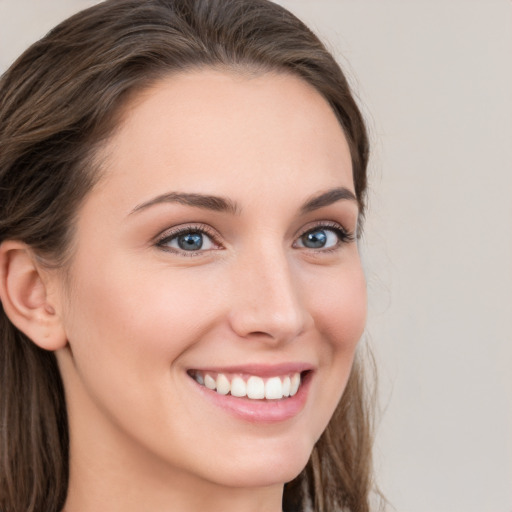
(264, 470)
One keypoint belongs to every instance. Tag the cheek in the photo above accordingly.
(134, 327)
(139, 317)
(340, 310)
(127, 331)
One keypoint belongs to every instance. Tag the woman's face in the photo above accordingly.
(217, 251)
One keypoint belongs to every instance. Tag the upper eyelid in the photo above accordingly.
(327, 224)
(173, 232)
(180, 228)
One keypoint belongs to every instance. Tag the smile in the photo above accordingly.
(252, 387)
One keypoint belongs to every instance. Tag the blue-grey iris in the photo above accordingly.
(190, 241)
(315, 239)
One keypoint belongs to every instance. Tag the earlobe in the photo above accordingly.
(24, 292)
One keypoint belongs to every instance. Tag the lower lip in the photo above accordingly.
(259, 411)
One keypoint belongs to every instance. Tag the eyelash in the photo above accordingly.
(343, 235)
(170, 235)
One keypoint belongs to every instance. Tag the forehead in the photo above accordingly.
(210, 128)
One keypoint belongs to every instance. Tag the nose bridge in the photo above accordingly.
(267, 300)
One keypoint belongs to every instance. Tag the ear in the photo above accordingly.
(26, 292)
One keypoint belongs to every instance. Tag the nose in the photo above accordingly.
(267, 303)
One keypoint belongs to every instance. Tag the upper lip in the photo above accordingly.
(261, 370)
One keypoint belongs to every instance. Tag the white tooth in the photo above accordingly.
(255, 388)
(286, 386)
(295, 383)
(238, 387)
(209, 382)
(199, 378)
(223, 386)
(274, 389)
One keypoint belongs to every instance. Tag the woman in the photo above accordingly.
(182, 188)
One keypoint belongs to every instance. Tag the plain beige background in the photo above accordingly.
(435, 81)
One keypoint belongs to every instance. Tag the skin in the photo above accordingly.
(137, 315)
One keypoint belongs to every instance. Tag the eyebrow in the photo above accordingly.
(207, 202)
(327, 198)
(221, 204)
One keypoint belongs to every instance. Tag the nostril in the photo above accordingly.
(260, 334)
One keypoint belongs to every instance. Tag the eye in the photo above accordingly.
(323, 237)
(187, 240)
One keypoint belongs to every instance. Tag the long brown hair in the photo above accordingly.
(58, 103)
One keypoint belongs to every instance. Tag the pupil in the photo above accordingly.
(314, 239)
(190, 241)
